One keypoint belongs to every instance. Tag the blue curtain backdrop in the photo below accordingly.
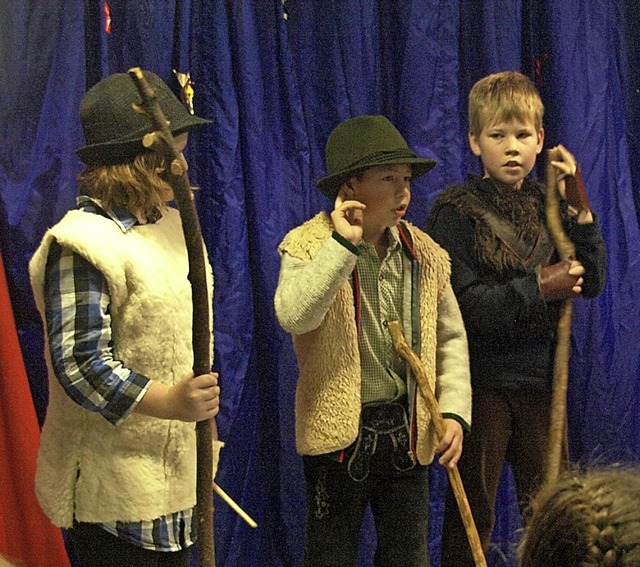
(275, 77)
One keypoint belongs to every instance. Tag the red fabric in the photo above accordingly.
(27, 537)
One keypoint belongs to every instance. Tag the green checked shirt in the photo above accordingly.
(381, 288)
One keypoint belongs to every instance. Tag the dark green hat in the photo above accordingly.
(113, 130)
(363, 142)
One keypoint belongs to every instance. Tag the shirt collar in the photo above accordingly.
(121, 216)
(394, 239)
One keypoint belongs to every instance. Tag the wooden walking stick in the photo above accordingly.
(405, 352)
(161, 141)
(566, 250)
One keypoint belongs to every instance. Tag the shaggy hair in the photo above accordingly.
(585, 519)
(139, 184)
(504, 97)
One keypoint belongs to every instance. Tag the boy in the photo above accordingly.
(117, 460)
(508, 281)
(361, 424)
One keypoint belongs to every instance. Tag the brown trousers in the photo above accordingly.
(505, 426)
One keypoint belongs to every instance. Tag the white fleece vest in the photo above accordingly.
(145, 467)
(328, 390)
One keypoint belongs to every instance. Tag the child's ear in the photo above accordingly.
(349, 191)
(540, 141)
(473, 142)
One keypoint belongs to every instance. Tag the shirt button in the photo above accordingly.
(384, 323)
(381, 277)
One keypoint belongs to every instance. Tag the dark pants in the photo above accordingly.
(95, 547)
(505, 426)
(336, 505)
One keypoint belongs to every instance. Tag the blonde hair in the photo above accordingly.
(504, 97)
(587, 519)
(138, 185)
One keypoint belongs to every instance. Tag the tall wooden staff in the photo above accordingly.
(404, 351)
(566, 250)
(161, 141)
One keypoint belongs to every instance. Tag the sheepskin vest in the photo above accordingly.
(328, 391)
(144, 467)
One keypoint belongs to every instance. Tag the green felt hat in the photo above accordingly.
(363, 142)
(113, 130)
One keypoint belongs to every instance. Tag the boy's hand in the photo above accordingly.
(450, 445)
(561, 281)
(564, 166)
(570, 186)
(347, 217)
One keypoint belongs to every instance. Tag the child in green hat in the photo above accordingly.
(117, 461)
(362, 427)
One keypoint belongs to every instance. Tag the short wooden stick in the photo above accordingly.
(234, 506)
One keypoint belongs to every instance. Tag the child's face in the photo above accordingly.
(508, 150)
(386, 191)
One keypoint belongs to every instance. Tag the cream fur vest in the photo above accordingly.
(144, 467)
(328, 390)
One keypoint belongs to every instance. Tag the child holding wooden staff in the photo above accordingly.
(510, 284)
(117, 463)
(362, 427)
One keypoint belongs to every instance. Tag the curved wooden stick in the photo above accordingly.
(567, 251)
(405, 352)
(161, 141)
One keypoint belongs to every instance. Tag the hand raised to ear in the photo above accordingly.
(347, 215)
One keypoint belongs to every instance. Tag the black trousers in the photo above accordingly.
(376, 471)
(95, 547)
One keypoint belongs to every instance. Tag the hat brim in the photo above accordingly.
(330, 185)
(119, 151)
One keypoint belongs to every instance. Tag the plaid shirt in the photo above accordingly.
(79, 331)
(381, 284)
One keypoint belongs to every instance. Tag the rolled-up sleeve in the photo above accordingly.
(78, 326)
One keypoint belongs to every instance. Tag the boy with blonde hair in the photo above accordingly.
(509, 282)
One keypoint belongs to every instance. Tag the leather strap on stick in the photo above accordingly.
(558, 420)
(575, 192)
(161, 141)
(405, 352)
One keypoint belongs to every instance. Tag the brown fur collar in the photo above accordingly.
(523, 208)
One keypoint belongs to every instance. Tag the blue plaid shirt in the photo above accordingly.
(79, 330)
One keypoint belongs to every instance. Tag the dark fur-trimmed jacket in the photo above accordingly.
(510, 327)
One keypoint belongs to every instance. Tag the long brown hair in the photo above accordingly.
(137, 185)
(585, 519)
